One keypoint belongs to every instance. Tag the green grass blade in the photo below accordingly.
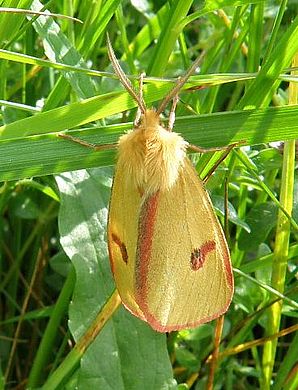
(45, 154)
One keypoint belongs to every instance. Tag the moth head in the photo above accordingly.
(138, 97)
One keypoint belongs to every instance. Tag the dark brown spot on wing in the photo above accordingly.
(198, 255)
(121, 246)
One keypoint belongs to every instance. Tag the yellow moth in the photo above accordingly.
(168, 253)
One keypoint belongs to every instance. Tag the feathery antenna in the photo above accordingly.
(180, 82)
(123, 78)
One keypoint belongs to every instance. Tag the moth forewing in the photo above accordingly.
(185, 277)
(125, 204)
(168, 253)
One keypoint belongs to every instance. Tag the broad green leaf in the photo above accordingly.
(46, 154)
(261, 220)
(126, 344)
(58, 49)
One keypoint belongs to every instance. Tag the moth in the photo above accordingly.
(167, 250)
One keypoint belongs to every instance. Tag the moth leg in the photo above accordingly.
(85, 143)
(200, 149)
(172, 113)
(139, 111)
(226, 150)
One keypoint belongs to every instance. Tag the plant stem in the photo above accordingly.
(279, 266)
(73, 358)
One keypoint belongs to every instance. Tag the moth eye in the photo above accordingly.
(121, 246)
(198, 255)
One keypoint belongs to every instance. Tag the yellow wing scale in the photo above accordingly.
(171, 294)
(125, 205)
(168, 253)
